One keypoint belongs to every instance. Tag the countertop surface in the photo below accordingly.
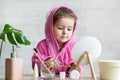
(30, 77)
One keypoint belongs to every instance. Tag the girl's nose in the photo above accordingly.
(64, 31)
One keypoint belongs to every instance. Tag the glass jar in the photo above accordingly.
(47, 74)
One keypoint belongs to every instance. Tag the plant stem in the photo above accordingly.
(13, 49)
(1, 48)
(13, 55)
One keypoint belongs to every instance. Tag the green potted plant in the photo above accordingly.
(14, 36)
(13, 65)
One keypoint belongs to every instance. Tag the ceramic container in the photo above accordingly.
(109, 69)
(14, 69)
(62, 75)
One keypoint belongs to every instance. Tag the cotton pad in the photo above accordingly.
(74, 74)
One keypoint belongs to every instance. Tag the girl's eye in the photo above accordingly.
(69, 29)
(60, 28)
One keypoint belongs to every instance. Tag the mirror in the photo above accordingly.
(86, 50)
(87, 43)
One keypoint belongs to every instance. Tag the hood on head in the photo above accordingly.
(50, 38)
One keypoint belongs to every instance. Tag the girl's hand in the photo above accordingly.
(73, 67)
(50, 62)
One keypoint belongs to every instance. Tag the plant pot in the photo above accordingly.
(14, 69)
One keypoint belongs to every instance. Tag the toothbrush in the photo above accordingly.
(35, 52)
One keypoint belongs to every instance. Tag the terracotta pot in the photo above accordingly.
(14, 69)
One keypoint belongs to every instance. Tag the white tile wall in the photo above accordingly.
(99, 18)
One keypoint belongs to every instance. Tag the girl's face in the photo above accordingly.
(63, 29)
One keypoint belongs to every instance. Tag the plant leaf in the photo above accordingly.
(2, 36)
(11, 39)
(14, 36)
(9, 29)
(19, 38)
(27, 42)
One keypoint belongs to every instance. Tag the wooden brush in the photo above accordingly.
(35, 52)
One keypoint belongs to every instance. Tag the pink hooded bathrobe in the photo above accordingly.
(49, 48)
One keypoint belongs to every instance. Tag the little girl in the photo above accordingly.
(60, 30)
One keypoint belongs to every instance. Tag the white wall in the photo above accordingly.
(99, 18)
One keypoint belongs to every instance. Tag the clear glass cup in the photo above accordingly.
(45, 74)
